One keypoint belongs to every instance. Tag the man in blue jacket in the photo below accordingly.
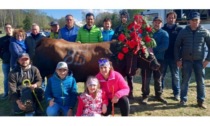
(189, 53)
(69, 31)
(162, 40)
(61, 92)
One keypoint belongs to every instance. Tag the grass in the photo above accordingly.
(153, 108)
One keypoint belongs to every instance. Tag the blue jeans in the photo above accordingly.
(55, 109)
(30, 114)
(174, 75)
(197, 67)
(6, 70)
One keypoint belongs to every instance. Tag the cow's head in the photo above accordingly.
(148, 63)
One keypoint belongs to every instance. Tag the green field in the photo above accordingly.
(154, 108)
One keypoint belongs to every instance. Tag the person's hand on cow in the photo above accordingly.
(21, 106)
(179, 64)
(51, 102)
(104, 108)
(115, 99)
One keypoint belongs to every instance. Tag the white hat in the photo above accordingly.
(92, 81)
(62, 65)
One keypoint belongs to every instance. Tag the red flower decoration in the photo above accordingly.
(121, 37)
(132, 44)
(136, 37)
(148, 29)
(130, 26)
(125, 50)
(147, 38)
(140, 31)
(120, 56)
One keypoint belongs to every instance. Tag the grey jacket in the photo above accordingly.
(190, 45)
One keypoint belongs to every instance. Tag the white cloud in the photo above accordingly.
(97, 11)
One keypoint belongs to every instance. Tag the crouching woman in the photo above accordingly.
(115, 87)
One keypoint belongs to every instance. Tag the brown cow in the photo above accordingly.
(82, 59)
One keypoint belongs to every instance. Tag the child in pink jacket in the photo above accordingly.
(93, 102)
(115, 87)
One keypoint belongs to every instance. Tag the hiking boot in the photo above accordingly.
(144, 101)
(202, 105)
(160, 99)
(130, 96)
(182, 103)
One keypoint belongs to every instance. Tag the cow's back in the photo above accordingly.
(82, 59)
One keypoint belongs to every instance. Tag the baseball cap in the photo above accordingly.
(194, 15)
(62, 65)
(23, 55)
(92, 81)
(53, 23)
(157, 18)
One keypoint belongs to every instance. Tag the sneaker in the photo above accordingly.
(182, 103)
(144, 101)
(202, 105)
(160, 99)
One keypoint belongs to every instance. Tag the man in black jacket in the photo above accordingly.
(173, 29)
(5, 56)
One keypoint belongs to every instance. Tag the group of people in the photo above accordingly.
(177, 48)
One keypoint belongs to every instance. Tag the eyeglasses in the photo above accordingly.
(19, 35)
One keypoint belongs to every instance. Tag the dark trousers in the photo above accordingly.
(146, 77)
(123, 104)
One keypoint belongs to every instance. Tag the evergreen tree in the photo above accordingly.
(27, 23)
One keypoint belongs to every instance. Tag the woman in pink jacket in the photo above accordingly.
(115, 86)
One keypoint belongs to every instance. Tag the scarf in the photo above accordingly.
(21, 44)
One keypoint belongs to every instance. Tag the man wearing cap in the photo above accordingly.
(162, 40)
(61, 92)
(130, 66)
(24, 70)
(189, 55)
(54, 30)
(69, 31)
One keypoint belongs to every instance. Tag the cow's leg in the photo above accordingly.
(130, 84)
(146, 77)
